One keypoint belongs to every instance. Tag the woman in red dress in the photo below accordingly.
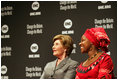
(99, 64)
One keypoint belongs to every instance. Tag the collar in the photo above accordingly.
(62, 63)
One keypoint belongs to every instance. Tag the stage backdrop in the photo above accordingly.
(27, 29)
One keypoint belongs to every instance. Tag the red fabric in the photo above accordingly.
(98, 37)
(104, 68)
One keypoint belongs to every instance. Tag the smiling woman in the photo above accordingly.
(99, 65)
(63, 67)
(85, 44)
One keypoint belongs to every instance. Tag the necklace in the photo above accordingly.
(92, 57)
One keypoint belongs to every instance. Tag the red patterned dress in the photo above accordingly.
(102, 67)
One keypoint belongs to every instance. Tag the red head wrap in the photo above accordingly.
(98, 37)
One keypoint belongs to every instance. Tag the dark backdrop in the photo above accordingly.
(27, 29)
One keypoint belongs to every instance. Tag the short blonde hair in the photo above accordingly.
(66, 41)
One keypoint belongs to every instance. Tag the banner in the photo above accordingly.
(28, 27)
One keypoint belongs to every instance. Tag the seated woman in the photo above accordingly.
(63, 67)
(99, 64)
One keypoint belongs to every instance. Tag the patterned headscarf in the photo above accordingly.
(98, 37)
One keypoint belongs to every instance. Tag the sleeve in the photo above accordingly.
(106, 68)
(43, 76)
(71, 72)
(77, 76)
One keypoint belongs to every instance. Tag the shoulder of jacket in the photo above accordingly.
(72, 61)
(49, 63)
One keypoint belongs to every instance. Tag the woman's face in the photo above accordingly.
(58, 48)
(85, 44)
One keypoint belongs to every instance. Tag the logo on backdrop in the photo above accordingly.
(34, 71)
(104, 5)
(68, 5)
(34, 29)
(3, 69)
(34, 49)
(74, 49)
(68, 25)
(6, 11)
(3, 72)
(35, 6)
(104, 1)
(4, 30)
(106, 23)
(6, 51)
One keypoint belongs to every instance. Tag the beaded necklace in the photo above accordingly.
(92, 56)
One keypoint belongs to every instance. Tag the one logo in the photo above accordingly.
(67, 23)
(3, 69)
(34, 47)
(104, 2)
(35, 5)
(5, 28)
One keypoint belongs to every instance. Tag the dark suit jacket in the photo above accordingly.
(65, 70)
